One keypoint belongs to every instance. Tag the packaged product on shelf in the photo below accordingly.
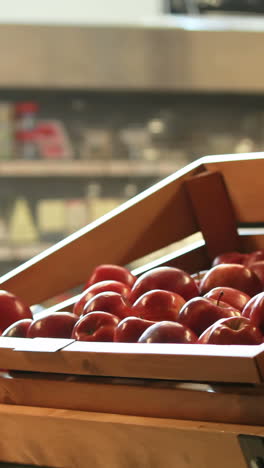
(97, 144)
(51, 219)
(53, 141)
(6, 131)
(136, 139)
(98, 205)
(76, 214)
(22, 227)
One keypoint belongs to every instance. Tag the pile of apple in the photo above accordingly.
(222, 305)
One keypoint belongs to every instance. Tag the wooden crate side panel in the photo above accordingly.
(160, 399)
(202, 363)
(66, 439)
(154, 219)
(243, 175)
(214, 212)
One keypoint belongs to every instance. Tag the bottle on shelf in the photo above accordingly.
(25, 134)
(22, 228)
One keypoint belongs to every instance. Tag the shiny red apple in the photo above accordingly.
(255, 256)
(111, 302)
(111, 272)
(254, 310)
(258, 268)
(230, 257)
(12, 309)
(200, 313)
(130, 329)
(232, 331)
(231, 296)
(158, 305)
(96, 288)
(167, 332)
(53, 325)
(18, 329)
(233, 276)
(167, 278)
(95, 326)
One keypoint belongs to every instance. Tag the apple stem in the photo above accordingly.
(220, 297)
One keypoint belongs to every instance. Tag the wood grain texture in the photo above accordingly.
(214, 213)
(81, 439)
(202, 363)
(243, 175)
(137, 397)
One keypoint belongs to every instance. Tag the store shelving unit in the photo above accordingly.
(111, 168)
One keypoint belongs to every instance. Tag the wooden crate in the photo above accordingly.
(76, 404)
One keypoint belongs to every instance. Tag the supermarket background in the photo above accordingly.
(99, 100)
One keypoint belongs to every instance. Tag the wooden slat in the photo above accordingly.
(203, 363)
(214, 212)
(154, 219)
(66, 439)
(243, 175)
(136, 397)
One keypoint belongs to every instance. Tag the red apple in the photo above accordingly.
(111, 272)
(158, 305)
(130, 329)
(231, 296)
(95, 326)
(53, 325)
(258, 268)
(200, 313)
(94, 289)
(255, 256)
(18, 329)
(12, 309)
(111, 302)
(167, 332)
(233, 276)
(254, 310)
(230, 257)
(167, 278)
(232, 331)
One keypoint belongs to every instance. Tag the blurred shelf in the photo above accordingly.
(64, 168)
(15, 253)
